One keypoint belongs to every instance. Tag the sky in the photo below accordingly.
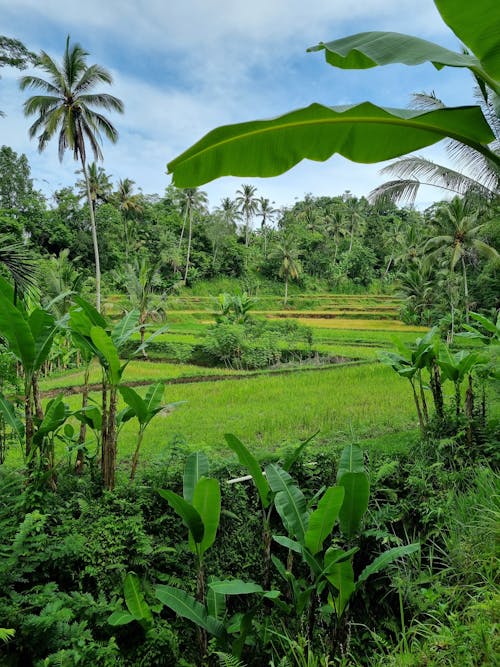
(184, 67)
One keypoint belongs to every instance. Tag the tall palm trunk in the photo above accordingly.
(94, 238)
(189, 245)
(466, 290)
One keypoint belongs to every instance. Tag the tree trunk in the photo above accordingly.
(109, 451)
(286, 291)
(80, 459)
(466, 291)
(28, 417)
(36, 397)
(189, 247)
(94, 240)
(417, 405)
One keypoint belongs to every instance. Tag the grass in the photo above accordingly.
(270, 412)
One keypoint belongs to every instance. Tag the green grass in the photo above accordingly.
(269, 412)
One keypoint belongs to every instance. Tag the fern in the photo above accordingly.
(6, 634)
(227, 660)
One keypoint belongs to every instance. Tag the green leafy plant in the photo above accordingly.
(365, 132)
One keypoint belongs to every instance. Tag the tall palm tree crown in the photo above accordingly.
(66, 108)
(248, 205)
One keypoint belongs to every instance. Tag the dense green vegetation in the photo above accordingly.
(224, 443)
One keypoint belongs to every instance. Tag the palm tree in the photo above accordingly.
(130, 205)
(354, 214)
(191, 200)
(475, 173)
(458, 235)
(99, 183)
(66, 108)
(248, 206)
(141, 281)
(266, 212)
(228, 209)
(288, 253)
(19, 262)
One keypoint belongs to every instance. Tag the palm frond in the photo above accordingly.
(426, 101)
(90, 77)
(20, 263)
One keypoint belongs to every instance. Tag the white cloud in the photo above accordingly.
(185, 67)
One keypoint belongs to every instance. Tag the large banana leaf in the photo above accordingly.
(289, 501)
(362, 133)
(138, 405)
(369, 49)
(8, 412)
(357, 493)
(207, 501)
(189, 515)
(108, 352)
(477, 25)
(134, 599)
(341, 576)
(16, 331)
(195, 468)
(386, 559)
(43, 329)
(251, 463)
(351, 460)
(323, 518)
(186, 606)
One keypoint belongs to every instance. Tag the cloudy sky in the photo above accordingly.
(183, 67)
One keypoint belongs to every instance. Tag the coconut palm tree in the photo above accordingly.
(474, 174)
(228, 209)
(130, 206)
(459, 232)
(191, 201)
(66, 107)
(267, 213)
(248, 206)
(288, 253)
(99, 183)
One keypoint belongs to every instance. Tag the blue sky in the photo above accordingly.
(184, 67)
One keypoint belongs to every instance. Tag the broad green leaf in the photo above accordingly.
(363, 133)
(189, 515)
(477, 25)
(216, 602)
(43, 329)
(289, 501)
(128, 325)
(235, 587)
(120, 617)
(108, 352)
(341, 576)
(334, 555)
(55, 415)
(321, 521)
(195, 468)
(369, 49)
(134, 599)
(351, 460)
(357, 493)
(386, 559)
(154, 396)
(186, 606)
(134, 401)
(17, 333)
(286, 542)
(91, 313)
(79, 323)
(253, 467)
(206, 500)
(10, 417)
(90, 415)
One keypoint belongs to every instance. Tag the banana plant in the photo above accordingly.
(330, 567)
(138, 609)
(143, 409)
(365, 132)
(92, 332)
(199, 508)
(456, 367)
(263, 489)
(29, 337)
